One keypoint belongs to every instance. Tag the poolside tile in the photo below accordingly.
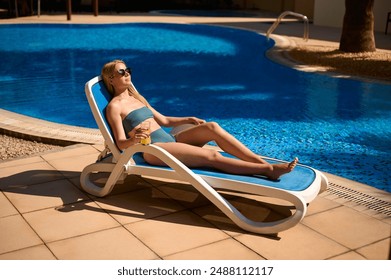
(330, 196)
(256, 208)
(352, 255)
(128, 184)
(297, 243)
(44, 195)
(69, 221)
(111, 244)
(138, 205)
(16, 234)
(99, 147)
(371, 212)
(253, 210)
(377, 215)
(213, 215)
(157, 181)
(73, 164)
(320, 204)
(71, 151)
(40, 252)
(176, 232)
(228, 249)
(6, 208)
(377, 251)
(185, 194)
(348, 227)
(35, 173)
(21, 161)
(262, 209)
(386, 220)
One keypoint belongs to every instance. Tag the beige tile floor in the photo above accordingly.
(44, 214)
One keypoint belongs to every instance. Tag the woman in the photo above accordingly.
(128, 109)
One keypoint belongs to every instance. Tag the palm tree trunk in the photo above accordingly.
(358, 27)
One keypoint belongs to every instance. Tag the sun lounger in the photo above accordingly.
(299, 187)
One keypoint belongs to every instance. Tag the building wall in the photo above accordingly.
(331, 13)
(266, 5)
(305, 7)
(322, 12)
(382, 7)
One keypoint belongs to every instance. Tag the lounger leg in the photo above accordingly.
(88, 185)
(279, 225)
(185, 174)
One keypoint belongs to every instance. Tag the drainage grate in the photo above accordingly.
(370, 202)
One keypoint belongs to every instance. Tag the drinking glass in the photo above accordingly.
(145, 128)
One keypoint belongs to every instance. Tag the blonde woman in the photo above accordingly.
(128, 109)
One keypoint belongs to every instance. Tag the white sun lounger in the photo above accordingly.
(299, 187)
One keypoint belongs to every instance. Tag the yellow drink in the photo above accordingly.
(146, 141)
(145, 128)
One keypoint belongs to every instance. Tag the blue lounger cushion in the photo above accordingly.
(297, 180)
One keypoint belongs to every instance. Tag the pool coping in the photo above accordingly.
(29, 128)
(279, 53)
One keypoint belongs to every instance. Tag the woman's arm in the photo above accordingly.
(174, 121)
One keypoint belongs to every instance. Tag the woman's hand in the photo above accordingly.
(196, 121)
(139, 134)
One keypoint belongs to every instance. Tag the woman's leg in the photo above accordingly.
(193, 156)
(201, 134)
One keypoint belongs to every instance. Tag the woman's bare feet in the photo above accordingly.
(282, 168)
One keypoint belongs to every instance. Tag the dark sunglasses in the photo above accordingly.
(123, 71)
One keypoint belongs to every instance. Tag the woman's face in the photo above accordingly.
(121, 77)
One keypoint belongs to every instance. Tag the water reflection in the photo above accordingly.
(337, 125)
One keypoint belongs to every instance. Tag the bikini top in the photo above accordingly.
(135, 117)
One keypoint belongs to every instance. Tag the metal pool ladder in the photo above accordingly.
(289, 13)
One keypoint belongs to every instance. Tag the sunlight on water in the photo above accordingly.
(220, 74)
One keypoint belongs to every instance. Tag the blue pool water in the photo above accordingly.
(220, 74)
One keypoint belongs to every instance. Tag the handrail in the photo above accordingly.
(289, 13)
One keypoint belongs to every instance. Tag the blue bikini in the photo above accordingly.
(135, 117)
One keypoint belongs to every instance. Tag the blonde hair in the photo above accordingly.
(108, 73)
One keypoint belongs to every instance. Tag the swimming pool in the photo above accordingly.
(340, 126)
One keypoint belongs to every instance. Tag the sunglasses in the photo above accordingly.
(123, 71)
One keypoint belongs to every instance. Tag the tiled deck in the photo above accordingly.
(45, 215)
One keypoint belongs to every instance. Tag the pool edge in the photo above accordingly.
(279, 53)
(29, 128)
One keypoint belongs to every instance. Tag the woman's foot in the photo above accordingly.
(282, 168)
